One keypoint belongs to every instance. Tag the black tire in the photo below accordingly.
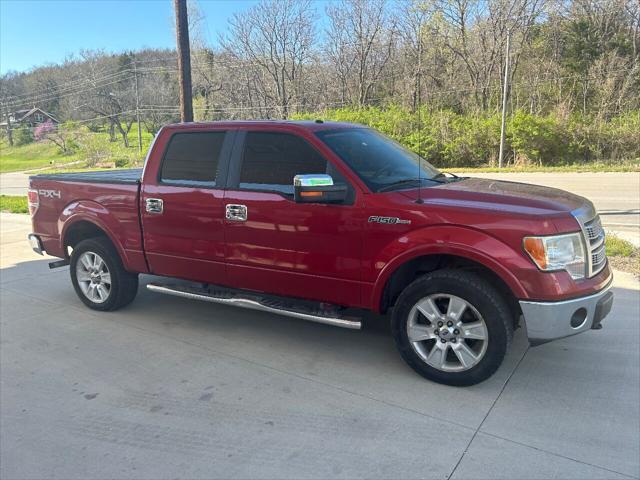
(477, 292)
(124, 285)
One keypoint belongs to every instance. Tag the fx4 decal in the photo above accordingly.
(387, 220)
(49, 193)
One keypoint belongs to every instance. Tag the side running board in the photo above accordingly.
(302, 309)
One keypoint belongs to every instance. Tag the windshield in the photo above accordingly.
(380, 162)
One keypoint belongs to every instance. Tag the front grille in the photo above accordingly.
(598, 257)
(594, 229)
(595, 237)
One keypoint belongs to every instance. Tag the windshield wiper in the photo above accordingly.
(399, 183)
(407, 181)
(453, 177)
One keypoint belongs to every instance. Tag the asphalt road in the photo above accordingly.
(171, 388)
(615, 195)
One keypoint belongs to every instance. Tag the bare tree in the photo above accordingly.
(207, 80)
(414, 19)
(158, 97)
(475, 32)
(361, 40)
(275, 37)
(109, 94)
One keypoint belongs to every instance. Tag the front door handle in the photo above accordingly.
(154, 205)
(236, 213)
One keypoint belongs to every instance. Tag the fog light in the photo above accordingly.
(579, 317)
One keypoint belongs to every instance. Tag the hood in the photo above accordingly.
(498, 195)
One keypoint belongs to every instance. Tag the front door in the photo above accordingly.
(183, 207)
(277, 246)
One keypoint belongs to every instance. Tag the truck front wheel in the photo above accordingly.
(452, 327)
(99, 277)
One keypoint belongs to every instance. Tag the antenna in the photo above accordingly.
(419, 114)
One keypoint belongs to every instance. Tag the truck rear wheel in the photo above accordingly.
(99, 277)
(452, 327)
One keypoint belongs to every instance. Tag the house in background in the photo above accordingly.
(30, 118)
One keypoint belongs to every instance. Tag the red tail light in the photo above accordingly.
(34, 201)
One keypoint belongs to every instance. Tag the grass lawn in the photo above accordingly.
(91, 148)
(618, 247)
(13, 204)
(81, 167)
(33, 155)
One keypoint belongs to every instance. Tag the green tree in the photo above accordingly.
(23, 135)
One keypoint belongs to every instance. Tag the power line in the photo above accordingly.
(66, 86)
(55, 96)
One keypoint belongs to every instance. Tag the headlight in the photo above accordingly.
(558, 252)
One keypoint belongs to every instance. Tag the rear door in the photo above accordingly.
(276, 245)
(182, 207)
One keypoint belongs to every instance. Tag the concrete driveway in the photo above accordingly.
(170, 388)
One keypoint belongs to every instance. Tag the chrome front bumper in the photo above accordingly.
(546, 321)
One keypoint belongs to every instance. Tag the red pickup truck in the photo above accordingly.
(323, 221)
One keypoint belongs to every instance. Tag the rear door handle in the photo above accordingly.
(154, 205)
(236, 213)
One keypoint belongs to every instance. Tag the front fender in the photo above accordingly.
(126, 242)
(464, 242)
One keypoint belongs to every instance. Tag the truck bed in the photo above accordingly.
(124, 176)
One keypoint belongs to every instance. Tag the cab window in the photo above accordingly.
(192, 158)
(270, 160)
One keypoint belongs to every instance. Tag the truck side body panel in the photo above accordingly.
(185, 240)
(305, 250)
(110, 207)
(492, 239)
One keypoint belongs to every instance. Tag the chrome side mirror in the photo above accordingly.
(318, 188)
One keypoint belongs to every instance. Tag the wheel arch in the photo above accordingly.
(406, 271)
(80, 221)
(79, 230)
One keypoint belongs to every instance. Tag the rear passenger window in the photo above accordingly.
(192, 158)
(271, 160)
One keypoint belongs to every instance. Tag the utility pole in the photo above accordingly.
(505, 91)
(184, 60)
(135, 72)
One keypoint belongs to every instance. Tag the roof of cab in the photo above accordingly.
(312, 125)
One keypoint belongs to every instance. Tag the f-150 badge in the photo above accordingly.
(387, 220)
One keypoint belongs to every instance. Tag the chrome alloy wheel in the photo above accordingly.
(93, 277)
(447, 332)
